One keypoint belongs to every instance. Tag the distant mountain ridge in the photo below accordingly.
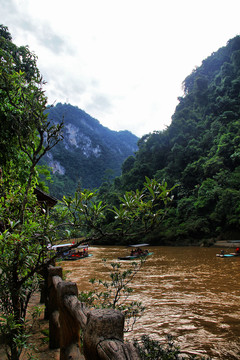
(89, 153)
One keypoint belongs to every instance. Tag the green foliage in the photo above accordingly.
(115, 293)
(150, 349)
(21, 254)
(137, 213)
(25, 136)
(21, 96)
(199, 151)
(153, 350)
(14, 338)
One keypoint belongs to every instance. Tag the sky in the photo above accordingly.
(121, 61)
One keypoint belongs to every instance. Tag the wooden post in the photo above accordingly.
(54, 277)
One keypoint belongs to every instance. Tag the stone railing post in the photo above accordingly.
(70, 327)
(101, 324)
(54, 277)
(102, 328)
(103, 337)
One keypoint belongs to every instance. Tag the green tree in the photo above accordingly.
(199, 150)
(137, 214)
(25, 135)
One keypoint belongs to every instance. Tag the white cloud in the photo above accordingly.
(123, 62)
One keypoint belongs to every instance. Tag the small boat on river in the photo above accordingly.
(65, 252)
(136, 253)
(223, 255)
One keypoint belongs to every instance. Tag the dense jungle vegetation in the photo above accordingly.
(199, 151)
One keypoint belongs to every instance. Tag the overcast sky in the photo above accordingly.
(121, 61)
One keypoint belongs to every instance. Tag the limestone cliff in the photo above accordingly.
(89, 153)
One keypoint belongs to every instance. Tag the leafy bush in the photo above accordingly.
(150, 349)
(115, 292)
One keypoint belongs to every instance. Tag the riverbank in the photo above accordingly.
(227, 243)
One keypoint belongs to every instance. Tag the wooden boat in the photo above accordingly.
(129, 257)
(225, 255)
(236, 253)
(73, 257)
(222, 254)
(137, 253)
(61, 249)
(66, 253)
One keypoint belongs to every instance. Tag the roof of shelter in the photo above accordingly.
(43, 197)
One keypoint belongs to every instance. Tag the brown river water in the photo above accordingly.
(188, 292)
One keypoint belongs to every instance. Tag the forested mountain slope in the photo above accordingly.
(89, 152)
(200, 151)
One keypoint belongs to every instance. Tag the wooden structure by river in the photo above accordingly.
(102, 328)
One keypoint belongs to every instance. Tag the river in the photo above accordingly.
(188, 292)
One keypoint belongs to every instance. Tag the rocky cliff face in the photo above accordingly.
(75, 139)
(55, 165)
(88, 153)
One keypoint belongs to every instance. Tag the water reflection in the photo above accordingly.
(187, 291)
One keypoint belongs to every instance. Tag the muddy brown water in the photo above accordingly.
(188, 292)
